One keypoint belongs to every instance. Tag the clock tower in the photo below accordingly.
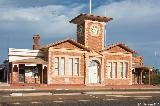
(91, 30)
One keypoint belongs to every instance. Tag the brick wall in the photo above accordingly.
(115, 57)
(31, 80)
(95, 42)
(65, 79)
(15, 77)
(137, 61)
(80, 33)
(15, 74)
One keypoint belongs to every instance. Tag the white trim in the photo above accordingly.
(99, 73)
(117, 53)
(15, 65)
(44, 66)
(66, 65)
(118, 71)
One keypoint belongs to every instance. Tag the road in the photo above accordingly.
(87, 99)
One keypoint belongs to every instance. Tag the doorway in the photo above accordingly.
(21, 76)
(93, 72)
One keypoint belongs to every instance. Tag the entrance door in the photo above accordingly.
(21, 76)
(93, 72)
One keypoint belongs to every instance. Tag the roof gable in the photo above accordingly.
(68, 43)
(119, 47)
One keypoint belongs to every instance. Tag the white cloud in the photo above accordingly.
(48, 20)
(131, 9)
(133, 19)
(17, 15)
(135, 22)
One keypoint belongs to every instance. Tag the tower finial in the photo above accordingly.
(90, 6)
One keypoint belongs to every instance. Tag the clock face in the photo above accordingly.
(80, 30)
(95, 29)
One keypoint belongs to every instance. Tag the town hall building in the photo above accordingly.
(84, 61)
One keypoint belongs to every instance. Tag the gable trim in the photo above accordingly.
(63, 41)
(122, 45)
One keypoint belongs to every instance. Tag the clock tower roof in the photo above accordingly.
(90, 17)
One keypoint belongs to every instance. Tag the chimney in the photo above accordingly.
(36, 45)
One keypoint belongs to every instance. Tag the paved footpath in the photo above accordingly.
(110, 87)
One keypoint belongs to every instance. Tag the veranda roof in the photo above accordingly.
(144, 68)
(31, 60)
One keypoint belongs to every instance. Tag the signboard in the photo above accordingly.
(30, 64)
(29, 74)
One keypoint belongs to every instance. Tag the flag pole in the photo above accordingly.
(90, 6)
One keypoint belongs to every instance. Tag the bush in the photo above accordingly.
(156, 79)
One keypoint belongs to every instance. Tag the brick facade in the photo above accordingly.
(88, 56)
(118, 57)
(95, 42)
(97, 52)
(66, 53)
(137, 61)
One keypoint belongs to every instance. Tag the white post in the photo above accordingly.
(90, 6)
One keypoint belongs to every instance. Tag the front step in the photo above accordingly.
(4, 84)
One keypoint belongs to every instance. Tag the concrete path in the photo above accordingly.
(109, 88)
(83, 93)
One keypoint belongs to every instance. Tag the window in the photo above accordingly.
(56, 66)
(114, 70)
(121, 69)
(109, 69)
(62, 66)
(76, 66)
(70, 66)
(125, 69)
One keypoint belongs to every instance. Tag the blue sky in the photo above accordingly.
(136, 23)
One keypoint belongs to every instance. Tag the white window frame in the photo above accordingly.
(125, 69)
(76, 66)
(70, 66)
(62, 66)
(114, 70)
(56, 66)
(109, 69)
(121, 69)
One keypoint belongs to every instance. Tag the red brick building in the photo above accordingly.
(86, 61)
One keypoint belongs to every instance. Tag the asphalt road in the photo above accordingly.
(75, 99)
